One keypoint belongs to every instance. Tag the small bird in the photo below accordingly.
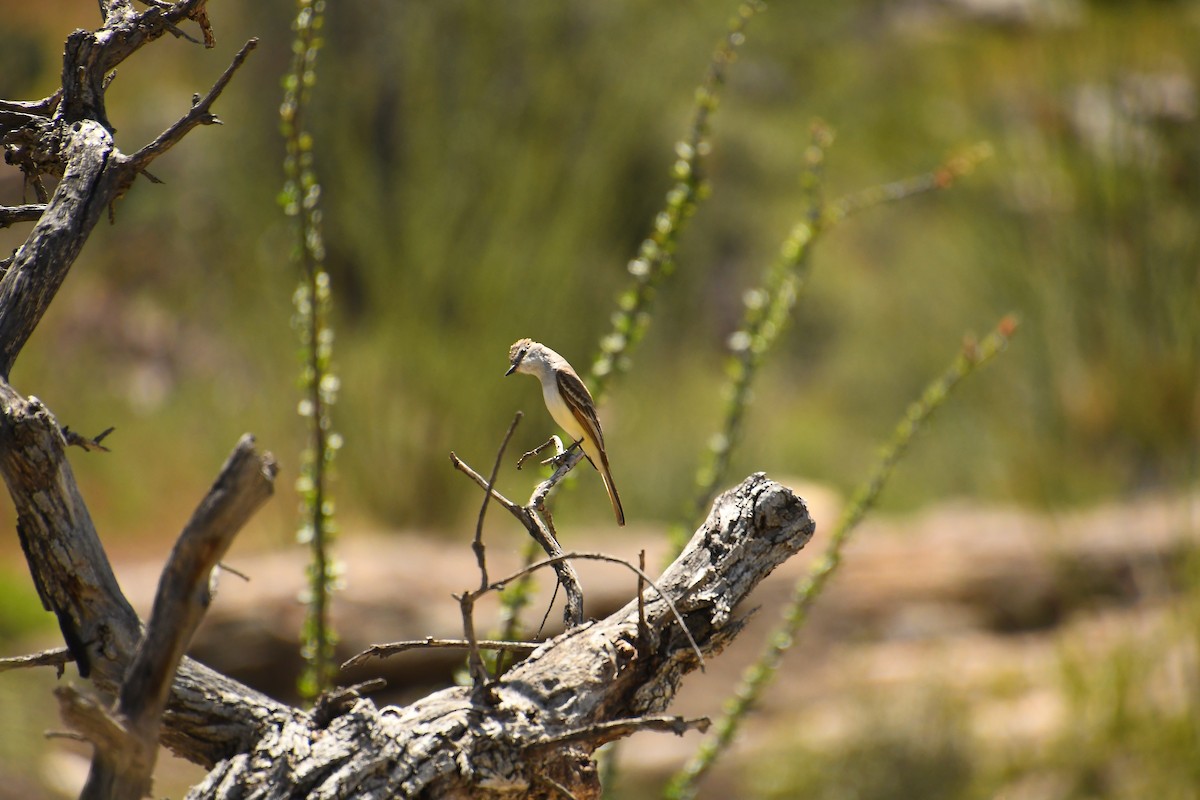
(570, 403)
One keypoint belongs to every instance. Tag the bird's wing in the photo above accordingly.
(577, 397)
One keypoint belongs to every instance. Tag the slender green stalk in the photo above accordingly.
(301, 200)
(656, 255)
(759, 675)
(769, 307)
(655, 258)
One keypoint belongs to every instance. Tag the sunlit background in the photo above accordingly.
(488, 170)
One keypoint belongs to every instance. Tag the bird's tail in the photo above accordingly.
(606, 476)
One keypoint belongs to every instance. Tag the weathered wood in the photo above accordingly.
(122, 771)
(531, 734)
(70, 569)
(211, 716)
(89, 183)
(29, 212)
(76, 144)
(68, 135)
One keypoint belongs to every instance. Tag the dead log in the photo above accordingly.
(532, 733)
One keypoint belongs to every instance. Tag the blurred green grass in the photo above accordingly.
(487, 171)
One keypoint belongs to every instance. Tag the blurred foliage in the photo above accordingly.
(1130, 729)
(22, 608)
(1135, 712)
(748, 694)
(490, 169)
(925, 752)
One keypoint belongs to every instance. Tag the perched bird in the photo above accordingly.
(570, 403)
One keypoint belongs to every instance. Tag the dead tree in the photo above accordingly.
(530, 733)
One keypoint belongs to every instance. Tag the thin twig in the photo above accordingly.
(475, 665)
(79, 440)
(546, 616)
(643, 631)
(29, 212)
(605, 732)
(553, 440)
(226, 568)
(550, 562)
(198, 115)
(513, 508)
(569, 458)
(467, 600)
(540, 531)
(477, 545)
(54, 657)
(430, 643)
(555, 785)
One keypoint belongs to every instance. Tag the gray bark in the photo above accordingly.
(68, 136)
(532, 733)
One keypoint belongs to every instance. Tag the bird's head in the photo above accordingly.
(517, 353)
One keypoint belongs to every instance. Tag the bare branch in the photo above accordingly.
(41, 265)
(532, 731)
(245, 482)
(90, 718)
(466, 605)
(477, 545)
(541, 533)
(67, 135)
(200, 114)
(553, 440)
(642, 576)
(41, 108)
(55, 657)
(30, 212)
(643, 631)
(566, 462)
(515, 509)
(429, 642)
(123, 769)
(605, 732)
(211, 716)
(79, 440)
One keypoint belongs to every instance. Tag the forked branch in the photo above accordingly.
(126, 738)
(542, 533)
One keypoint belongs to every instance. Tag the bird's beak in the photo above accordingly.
(512, 369)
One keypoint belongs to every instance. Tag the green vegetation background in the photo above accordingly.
(488, 169)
